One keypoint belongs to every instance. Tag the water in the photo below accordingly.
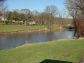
(12, 41)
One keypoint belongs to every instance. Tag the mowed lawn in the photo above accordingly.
(12, 27)
(65, 50)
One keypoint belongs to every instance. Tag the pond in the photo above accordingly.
(13, 41)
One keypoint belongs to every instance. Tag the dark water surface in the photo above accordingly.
(12, 41)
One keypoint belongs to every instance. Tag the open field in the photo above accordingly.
(12, 28)
(67, 50)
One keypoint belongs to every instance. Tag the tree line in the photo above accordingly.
(25, 16)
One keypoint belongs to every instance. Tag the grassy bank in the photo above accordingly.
(12, 28)
(9, 28)
(70, 51)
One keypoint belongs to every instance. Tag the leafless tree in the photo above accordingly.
(51, 12)
(76, 10)
(1, 5)
(3, 8)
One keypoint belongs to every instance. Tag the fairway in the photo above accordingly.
(66, 50)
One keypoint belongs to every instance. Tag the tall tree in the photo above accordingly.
(28, 15)
(1, 6)
(51, 12)
(3, 9)
(35, 15)
(76, 10)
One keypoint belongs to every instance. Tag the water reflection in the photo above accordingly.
(12, 41)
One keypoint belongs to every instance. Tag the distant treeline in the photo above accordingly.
(25, 16)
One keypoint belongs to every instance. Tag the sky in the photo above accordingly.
(38, 5)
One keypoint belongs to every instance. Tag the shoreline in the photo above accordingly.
(33, 44)
(59, 40)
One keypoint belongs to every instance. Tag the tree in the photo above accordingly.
(27, 15)
(2, 7)
(36, 16)
(21, 17)
(1, 4)
(35, 13)
(76, 10)
(9, 17)
(13, 15)
(51, 12)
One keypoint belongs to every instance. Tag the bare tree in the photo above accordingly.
(51, 12)
(1, 5)
(3, 8)
(52, 9)
(76, 10)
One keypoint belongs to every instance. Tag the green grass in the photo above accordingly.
(69, 50)
(11, 27)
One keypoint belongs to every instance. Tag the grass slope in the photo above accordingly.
(71, 51)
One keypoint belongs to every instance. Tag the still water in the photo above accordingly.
(12, 41)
